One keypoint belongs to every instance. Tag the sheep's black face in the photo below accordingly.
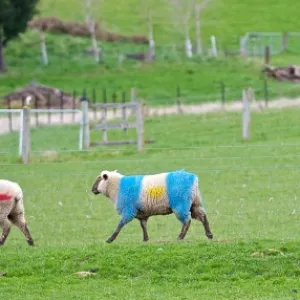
(96, 186)
(95, 191)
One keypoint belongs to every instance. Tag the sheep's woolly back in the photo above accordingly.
(154, 195)
(157, 194)
(10, 190)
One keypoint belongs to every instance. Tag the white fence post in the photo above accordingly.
(214, 50)
(20, 133)
(246, 113)
(103, 122)
(85, 123)
(132, 94)
(133, 99)
(140, 126)
(25, 135)
(188, 48)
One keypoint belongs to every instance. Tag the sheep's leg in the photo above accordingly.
(6, 225)
(185, 219)
(117, 231)
(184, 229)
(206, 226)
(200, 215)
(20, 222)
(144, 227)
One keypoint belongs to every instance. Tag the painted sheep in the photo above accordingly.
(12, 210)
(142, 196)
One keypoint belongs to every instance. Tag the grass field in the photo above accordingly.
(199, 79)
(226, 21)
(251, 191)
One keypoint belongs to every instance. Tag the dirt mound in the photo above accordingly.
(40, 96)
(289, 73)
(53, 24)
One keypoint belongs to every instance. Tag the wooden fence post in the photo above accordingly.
(133, 99)
(36, 113)
(140, 126)
(223, 99)
(178, 101)
(62, 107)
(246, 113)
(9, 116)
(94, 96)
(114, 100)
(85, 123)
(266, 92)
(103, 122)
(25, 135)
(267, 55)
(124, 116)
(285, 38)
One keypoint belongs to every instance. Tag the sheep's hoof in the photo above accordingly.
(110, 240)
(30, 242)
(210, 236)
(145, 240)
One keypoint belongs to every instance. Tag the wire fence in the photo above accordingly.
(67, 135)
(255, 43)
(63, 52)
(223, 93)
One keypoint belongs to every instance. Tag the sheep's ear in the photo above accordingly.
(115, 171)
(105, 176)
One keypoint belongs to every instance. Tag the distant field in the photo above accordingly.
(198, 79)
(251, 191)
(227, 21)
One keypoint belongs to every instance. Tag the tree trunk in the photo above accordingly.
(198, 29)
(188, 43)
(151, 53)
(94, 43)
(2, 65)
(44, 49)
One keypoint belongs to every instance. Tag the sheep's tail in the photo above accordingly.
(198, 211)
(197, 205)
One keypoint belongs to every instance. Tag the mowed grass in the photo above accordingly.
(251, 192)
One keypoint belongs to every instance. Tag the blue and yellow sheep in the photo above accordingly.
(142, 196)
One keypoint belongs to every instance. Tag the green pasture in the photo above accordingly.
(199, 79)
(251, 192)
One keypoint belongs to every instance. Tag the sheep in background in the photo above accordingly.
(142, 196)
(12, 210)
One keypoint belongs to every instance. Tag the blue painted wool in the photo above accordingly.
(179, 190)
(128, 200)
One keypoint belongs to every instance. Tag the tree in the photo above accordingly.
(91, 8)
(199, 7)
(148, 14)
(182, 13)
(14, 17)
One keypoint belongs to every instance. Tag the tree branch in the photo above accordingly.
(203, 4)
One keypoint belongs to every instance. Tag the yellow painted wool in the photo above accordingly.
(156, 192)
